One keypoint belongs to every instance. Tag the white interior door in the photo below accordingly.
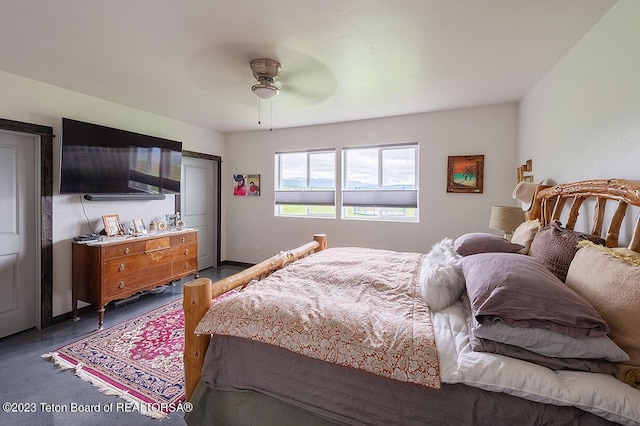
(198, 206)
(18, 259)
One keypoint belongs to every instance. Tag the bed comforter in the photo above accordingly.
(368, 314)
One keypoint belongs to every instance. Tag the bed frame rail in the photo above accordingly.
(199, 293)
(552, 200)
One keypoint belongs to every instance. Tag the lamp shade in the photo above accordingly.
(506, 218)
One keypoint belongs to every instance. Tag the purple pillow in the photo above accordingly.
(481, 242)
(486, 345)
(555, 247)
(521, 292)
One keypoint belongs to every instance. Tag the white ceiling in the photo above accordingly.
(342, 60)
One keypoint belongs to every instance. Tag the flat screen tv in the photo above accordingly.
(102, 160)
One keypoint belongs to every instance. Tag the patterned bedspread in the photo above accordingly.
(356, 307)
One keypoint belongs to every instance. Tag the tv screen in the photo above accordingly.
(102, 160)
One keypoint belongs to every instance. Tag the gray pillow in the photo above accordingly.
(550, 343)
(519, 291)
(577, 364)
(481, 242)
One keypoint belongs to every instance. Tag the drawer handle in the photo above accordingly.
(183, 239)
(186, 265)
(126, 250)
(121, 285)
(186, 252)
(121, 267)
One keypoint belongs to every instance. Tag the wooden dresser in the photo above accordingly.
(117, 269)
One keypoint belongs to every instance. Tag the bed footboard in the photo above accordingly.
(199, 293)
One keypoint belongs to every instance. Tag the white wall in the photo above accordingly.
(582, 121)
(30, 101)
(489, 130)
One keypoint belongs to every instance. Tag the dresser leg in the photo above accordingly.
(75, 316)
(100, 317)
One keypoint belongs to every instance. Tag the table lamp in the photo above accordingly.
(506, 219)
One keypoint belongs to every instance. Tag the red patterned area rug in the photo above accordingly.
(139, 360)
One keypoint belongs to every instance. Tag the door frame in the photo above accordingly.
(217, 184)
(45, 148)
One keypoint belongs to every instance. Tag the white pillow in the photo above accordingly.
(441, 278)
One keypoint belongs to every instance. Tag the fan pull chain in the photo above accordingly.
(259, 109)
(270, 113)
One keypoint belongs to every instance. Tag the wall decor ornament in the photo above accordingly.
(246, 185)
(465, 173)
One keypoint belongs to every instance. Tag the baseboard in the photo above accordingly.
(234, 263)
(87, 310)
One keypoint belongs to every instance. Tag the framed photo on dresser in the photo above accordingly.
(111, 224)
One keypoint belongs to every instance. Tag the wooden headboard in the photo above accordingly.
(550, 203)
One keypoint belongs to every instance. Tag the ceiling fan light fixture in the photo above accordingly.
(265, 90)
(266, 72)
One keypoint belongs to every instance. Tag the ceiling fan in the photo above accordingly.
(266, 72)
(300, 79)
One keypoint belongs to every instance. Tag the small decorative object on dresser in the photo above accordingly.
(171, 218)
(112, 270)
(139, 227)
(111, 224)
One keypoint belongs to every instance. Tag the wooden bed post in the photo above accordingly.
(196, 302)
(535, 211)
(321, 239)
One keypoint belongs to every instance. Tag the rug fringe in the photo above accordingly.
(102, 386)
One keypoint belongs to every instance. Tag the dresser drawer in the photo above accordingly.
(116, 268)
(184, 251)
(125, 249)
(188, 237)
(185, 267)
(127, 285)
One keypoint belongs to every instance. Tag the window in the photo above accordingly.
(381, 183)
(306, 183)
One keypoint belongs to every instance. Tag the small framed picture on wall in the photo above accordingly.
(465, 173)
(245, 185)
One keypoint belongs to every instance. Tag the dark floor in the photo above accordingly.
(26, 377)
